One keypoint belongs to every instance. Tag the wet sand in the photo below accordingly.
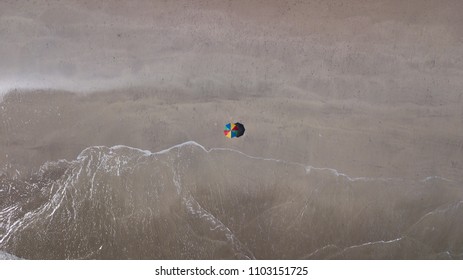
(356, 138)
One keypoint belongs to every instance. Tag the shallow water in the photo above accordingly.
(188, 202)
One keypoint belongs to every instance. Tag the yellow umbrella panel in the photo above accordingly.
(233, 130)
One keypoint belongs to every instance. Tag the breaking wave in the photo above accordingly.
(188, 202)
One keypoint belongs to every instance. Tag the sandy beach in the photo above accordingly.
(364, 94)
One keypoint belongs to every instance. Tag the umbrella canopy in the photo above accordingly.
(233, 130)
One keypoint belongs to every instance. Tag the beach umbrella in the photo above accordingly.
(233, 130)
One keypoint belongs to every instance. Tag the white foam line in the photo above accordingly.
(320, 249)
(438, 178)
(307, 168)
(368, 244)
(117, 147)
(437, 210)
(8, 209)
(196, 210)
(376, 242)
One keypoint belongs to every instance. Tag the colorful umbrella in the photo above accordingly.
(233, 130)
